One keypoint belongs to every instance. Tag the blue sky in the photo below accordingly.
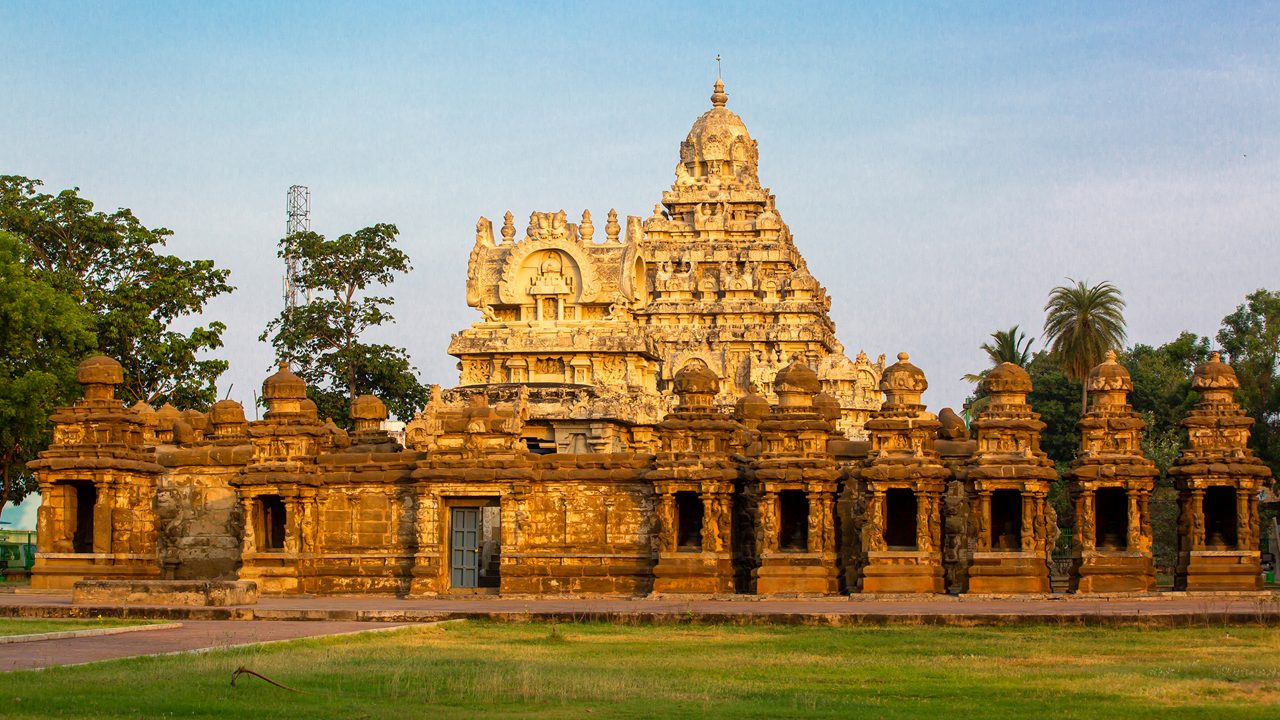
(941, 165)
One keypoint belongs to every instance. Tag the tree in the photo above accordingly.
(1082, 324)
(111, 264)
(1250, 337)
(43, 336)
(1009, 345)
(324, 336)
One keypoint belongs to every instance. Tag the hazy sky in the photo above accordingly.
(941, 166)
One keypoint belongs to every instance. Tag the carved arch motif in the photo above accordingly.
(510, 290)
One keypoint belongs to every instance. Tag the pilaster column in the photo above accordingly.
(1087, 521)
(1243, 539)
(1197, 519)
(1133, 538)
(769, 522)
(984, 522)
(667, 522)
(1028, 535)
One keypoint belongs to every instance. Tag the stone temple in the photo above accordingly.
(666, 411)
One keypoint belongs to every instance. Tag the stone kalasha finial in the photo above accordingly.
(795, 385)
(1215, 380)
(718, 95)
(227, 418)
(1109, 383)
(100, 375)
(903, 383)
(1007, 384)
(508, 229)
(612, 228)
(284, 392)
(586, 230)
(368, 412)
(696, 386)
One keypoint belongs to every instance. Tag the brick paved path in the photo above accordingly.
(193, 635)
(1065, 608)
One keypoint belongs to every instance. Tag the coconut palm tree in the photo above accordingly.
(1010, 345)
(1081, 325)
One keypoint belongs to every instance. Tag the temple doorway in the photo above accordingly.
(1113, 519)
(85, 496)
(475, 546)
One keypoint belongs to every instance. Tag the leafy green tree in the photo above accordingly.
(112, 265)
(323, 338)
(1250, 337)
(43, 336)
(1082, 324)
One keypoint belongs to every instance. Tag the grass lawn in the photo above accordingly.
(606, 671)
(31, 627)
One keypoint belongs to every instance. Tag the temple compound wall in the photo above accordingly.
(767, 498)
(666, 410)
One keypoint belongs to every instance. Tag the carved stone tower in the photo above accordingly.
(793, 488)
(97, 481)
(1007, 483)
(1218, 480)
(902, 487)
(693, 478)
(1110, 484)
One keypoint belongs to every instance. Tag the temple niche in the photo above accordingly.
(598, 324)
(1110, 484)
(1218, 480)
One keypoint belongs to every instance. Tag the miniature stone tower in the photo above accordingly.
(1218, 480)
(97, 481)
(793, 488)
(1110, 484)
(1007, 482)
(693, 479)
(902, 488)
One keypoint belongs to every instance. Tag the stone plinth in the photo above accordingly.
(199, 593)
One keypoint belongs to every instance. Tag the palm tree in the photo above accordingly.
(1010, 345)
(1082, 324)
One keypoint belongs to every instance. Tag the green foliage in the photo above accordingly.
(323, 338)
(1082, 324)
(1012, 346)
(1055, 397)
(111, 264)
(1250, 337)
(44, 334)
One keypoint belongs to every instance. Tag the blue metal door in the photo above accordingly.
(464, 550)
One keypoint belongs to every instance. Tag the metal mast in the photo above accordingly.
(298, 210)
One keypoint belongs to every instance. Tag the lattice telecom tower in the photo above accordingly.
(299, 220)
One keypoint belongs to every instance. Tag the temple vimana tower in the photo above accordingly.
(655, 406)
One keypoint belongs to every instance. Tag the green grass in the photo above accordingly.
(607, 671)
(32, 627)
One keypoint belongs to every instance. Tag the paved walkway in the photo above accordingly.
(193, 635)
(1169, 608)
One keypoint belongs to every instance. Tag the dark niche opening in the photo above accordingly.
(900, 519)
(688, 521)
(85, 497)
(1220, 518)
(1006, 520)
(1112, 509)
(793, 520)
(271, 516)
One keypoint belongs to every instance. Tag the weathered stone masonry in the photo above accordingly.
(665, 411)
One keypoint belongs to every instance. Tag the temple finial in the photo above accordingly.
(718, 96)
